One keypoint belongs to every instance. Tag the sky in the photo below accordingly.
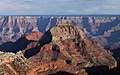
(59, 7)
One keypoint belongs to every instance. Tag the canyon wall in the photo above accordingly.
(104, 29)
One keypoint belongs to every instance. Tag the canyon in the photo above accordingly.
(62, 48)
(74, 45)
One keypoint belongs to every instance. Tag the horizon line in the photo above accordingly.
(68, 15)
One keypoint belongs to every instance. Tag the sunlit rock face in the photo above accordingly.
(64, 30)
(35, 35)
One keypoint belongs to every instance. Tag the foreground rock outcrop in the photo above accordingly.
(17, 64)
(63, 47)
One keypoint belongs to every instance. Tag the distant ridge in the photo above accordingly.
(98, 26)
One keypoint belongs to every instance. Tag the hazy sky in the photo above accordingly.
(59, 7)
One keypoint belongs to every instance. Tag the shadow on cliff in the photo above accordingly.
(116, 55)
(20, 44)
(107, 71)
(102, 70)
(31, 52)
(62, 73)
(45, 39)
(99, 70)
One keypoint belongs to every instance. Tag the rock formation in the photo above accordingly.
(70, 43)
(17, 64)
(63, 47)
